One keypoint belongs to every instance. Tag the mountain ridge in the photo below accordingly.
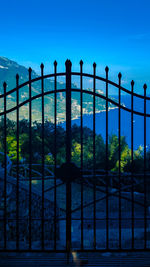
(8, 71)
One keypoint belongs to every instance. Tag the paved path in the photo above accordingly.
(97, 259)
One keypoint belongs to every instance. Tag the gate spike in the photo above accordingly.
(4, 85)
(94, 65)
(81, 62)
(30, 70)
(120, 75)
(145, 86)
(17, 76)
(132, 83)
(68, 62)
(55, 63)
(106, 69)
(42, 66)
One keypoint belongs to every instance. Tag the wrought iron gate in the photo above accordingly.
(71, 173)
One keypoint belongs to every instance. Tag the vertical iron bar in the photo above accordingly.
(5, 170)
(107, 213)
(119, 138)
(43, 154)
(81, 105)
(30, 157)
(132, 176)
(94, 158)
(68, 153)
(17, 191)
(55, 152)
(145, 174)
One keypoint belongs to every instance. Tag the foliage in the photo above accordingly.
(49, 146)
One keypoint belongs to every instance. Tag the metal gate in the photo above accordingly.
(97, 232)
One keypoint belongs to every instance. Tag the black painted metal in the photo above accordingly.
(75, 90)
(132, 177)
(81, 104)
(30, 162)
(119, 136)
(43, 156)
(17, 191)
(5, 169)
(68, 154)
(55, 153)
(107, 180)
(145, 176)
(94, 158)
(68, 170)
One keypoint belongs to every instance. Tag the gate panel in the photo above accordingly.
(69, 186)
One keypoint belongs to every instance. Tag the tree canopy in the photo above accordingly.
(49, 135)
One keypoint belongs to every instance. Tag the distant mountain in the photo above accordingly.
(8, 71)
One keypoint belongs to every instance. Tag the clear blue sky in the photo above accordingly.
(114, 33)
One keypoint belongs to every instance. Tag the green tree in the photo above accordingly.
(114, 150)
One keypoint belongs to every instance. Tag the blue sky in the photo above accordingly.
(114, 33)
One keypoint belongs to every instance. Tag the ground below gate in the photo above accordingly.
(138, 259)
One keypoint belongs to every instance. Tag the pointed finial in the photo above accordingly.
(106, 69)
(30, 70)
(132, 83)
(94, 65)
(55, 63)
(42, 66)
(17, 76)
(4, 84)
(17, 80)
(81, 62)
(145, 86)
(119, 75)
(68, 63)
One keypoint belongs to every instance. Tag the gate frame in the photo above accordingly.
(68, 74)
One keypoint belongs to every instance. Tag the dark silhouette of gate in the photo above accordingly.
(69, 171)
